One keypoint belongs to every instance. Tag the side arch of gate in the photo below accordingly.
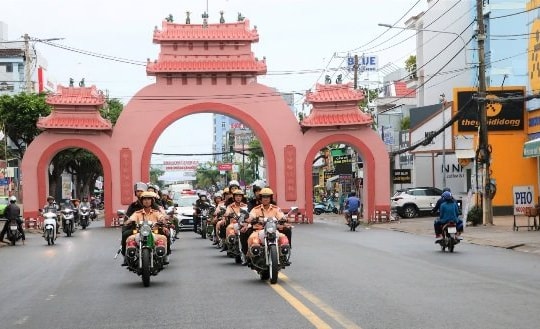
(376, 167)
(41, 151)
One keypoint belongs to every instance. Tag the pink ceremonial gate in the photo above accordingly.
(206, 69)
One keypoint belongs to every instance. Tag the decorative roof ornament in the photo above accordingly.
(221, 19)
(188, 20)
(169, 18)
(71, 82)
(327, 80)
(339, 79)
(240, 17)
(81, 83)
(205, 19)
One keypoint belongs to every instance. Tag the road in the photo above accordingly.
(368, 279)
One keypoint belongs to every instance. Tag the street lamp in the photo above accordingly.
(429, 30)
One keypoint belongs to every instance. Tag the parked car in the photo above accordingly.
(4, 201)
(415, 201)
(185, 210)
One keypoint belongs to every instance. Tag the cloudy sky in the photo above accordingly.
(299, 38)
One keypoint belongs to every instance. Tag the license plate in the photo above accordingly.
(452, 230)
(355, 217)
(67, 221)
(13, 227)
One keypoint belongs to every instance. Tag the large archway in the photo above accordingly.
(223, 82)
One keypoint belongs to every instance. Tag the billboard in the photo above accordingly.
(366, 63)
(500, 116)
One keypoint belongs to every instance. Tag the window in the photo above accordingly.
(9, 67)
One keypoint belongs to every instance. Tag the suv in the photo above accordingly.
(414, 201)
(185, 211)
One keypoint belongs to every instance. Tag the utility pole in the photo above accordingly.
(355, 67)
(485, 155)
(443, 109)
(27, 65)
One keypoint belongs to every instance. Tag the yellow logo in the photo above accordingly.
(493, 109)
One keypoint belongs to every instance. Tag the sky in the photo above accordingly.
(299, 38)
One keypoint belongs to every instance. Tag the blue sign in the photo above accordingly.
(365, 63)
(4, 181)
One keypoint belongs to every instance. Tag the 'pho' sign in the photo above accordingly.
(523, 198)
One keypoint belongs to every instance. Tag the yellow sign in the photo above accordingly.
(534, 57)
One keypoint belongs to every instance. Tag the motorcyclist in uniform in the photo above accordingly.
(200, 204)
(267, 210)
(148, 212)
(12, 212)
(127, 230)
(218, 200)
(233, 211)
(218, 215)
(255, 200)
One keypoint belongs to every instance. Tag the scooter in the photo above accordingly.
(327, 206)
(13, 234)
(49, 227)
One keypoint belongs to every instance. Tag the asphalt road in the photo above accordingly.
(339, 279)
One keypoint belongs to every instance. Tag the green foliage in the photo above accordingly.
(207, 176)
(369, 94)
(112, 110)
(474, 216)
(154, 175)
(410, 66)
(19, 113)
(405, 123)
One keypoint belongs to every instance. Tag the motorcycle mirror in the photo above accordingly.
(176, 204)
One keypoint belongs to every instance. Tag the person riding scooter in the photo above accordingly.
(352, 206)
(12, 212)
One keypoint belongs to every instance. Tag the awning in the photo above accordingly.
(465, 154)
(531, 148)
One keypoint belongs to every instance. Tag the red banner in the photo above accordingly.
(224, 166)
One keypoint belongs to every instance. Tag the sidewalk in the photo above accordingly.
(500, 234)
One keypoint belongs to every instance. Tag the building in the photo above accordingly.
(13, 71)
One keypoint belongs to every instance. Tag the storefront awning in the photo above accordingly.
(531, 148)
(465, 154)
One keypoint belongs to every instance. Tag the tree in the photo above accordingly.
(19, 114)
(410, 66)
(405, 123)
(155, 173)
(369, 94)
(112, 109)
(207, 176)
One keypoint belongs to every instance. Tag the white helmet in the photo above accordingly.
(234, 183)
(13, 198)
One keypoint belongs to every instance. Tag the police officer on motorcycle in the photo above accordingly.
(51, 206)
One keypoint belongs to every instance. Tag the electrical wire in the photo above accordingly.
(514, 14)
(430, 137)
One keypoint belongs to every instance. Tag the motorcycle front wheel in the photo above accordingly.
(146, 267)
(203, 229)
(274, 265)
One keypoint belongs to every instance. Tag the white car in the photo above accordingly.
(185, 211)
(414, 201)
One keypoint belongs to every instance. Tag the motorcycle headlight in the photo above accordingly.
(146, 230)
(271, 229)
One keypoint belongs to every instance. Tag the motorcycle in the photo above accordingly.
(49, 224)
(93, 214)
(353, 221)
(171, 225)
(13, 234)
(68, 222)
(327, 206)
(84, 217)
(268, 258)
(145, 256)
(449, 237)
(234, 246)
(204, 215)
(219, 235)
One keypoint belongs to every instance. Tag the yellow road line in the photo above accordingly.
(338, 317)
(301, 308)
